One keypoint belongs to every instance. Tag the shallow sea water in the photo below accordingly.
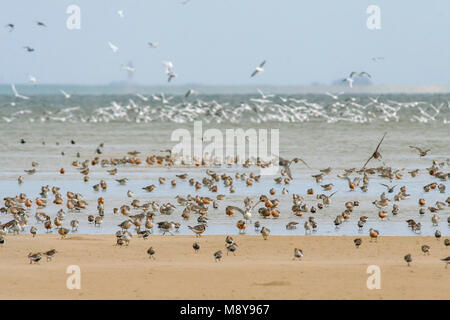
(340, 133)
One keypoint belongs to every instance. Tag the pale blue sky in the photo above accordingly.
(219, 42)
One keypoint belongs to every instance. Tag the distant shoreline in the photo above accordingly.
(121, 89)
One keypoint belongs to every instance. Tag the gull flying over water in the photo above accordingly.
(265, 96)
(360, 74)
(40, 24)
(29, 49)
(16, 94)
(113, 47)
(128, 68)
(10, 26)
(169, 71)
(32, 79)
(259, 68)
(142, 97)
(168, 64)
(334, 96)
(189, 92)
(350, 82)
(65, 94)
(153, 44)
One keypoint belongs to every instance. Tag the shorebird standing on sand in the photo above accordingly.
(166, 227)
(63, 232)
(408, 259)
(298, 254)
(265, 232)
(426, 249)
(34, 257)
(33, 231)
(196, 246)
(151, 253)
(232, 248)
(50, 254)
(218, 255)
(373, 234)
(198, 229)
(447, 261)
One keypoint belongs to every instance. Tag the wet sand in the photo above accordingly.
(332, 268)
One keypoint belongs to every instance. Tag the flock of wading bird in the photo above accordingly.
(19, 206)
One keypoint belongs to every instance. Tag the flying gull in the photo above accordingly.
(113, 47)
(259, 68)
(65, 94)
(16, 94)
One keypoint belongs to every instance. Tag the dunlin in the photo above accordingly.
(298, 254)
(265, 232)
(34, 257)
(218, 255)
(63, 232)
(228, 240)
(198, 229)
(446, 261)
(196, 246)
(50, 254)
(166, 227)
(232, 248)
(437, 234)
(151, 253)
(408, 259)
(426, 249)
(144, 234)
(125, 224)
(291, 225)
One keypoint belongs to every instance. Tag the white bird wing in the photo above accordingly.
(16, 94)
(261, 93)
(142, 97)
(168, 64)
(13, 87)
(65, 94)
(113, 47)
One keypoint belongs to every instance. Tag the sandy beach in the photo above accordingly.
(332, 268)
